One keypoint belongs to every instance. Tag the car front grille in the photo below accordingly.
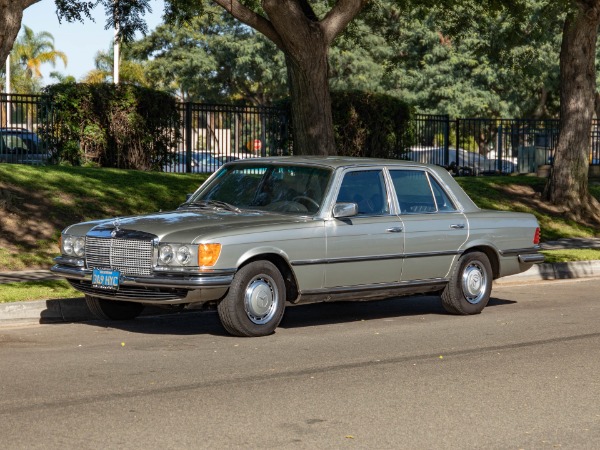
(129, 256)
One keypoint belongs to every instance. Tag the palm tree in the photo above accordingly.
(31, 50)
(131, 71)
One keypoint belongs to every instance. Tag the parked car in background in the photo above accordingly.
(463, 163)
(19, 145)
(262, 233)
(201, 162)
(234, 156)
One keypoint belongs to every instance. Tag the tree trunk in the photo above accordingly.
(311, 104)
(11, 15)
(568, 184)
(304, 40)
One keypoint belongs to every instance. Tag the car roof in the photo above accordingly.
(332, 162)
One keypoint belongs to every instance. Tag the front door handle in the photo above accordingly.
(395, 230)
(457, 226)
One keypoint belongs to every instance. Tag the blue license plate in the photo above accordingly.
(106, 279)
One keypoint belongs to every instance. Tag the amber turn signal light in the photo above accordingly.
(208, 254)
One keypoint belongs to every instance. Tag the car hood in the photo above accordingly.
(192, 225)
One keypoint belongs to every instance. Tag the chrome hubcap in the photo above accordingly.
(474, 282)
(261, 299)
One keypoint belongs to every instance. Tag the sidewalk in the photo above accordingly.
(73, 310)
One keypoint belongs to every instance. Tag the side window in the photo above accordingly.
(441, 198)
(366, 188)
(413, 191)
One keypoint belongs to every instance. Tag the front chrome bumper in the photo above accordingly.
(175, 280)
(161, 287)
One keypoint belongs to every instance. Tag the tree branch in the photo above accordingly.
(340, 16)
(252, 19)
(293, 26)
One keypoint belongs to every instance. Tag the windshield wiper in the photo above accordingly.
(212, 204)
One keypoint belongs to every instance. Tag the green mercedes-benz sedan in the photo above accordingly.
(263, 233)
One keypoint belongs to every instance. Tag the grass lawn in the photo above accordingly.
(36, 203)
(36, 290)
(524, 193)
(584, 254)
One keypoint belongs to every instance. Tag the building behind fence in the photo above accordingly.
(214, 134)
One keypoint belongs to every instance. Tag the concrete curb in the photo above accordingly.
(75, 309)
(45, 311)
(556, 271)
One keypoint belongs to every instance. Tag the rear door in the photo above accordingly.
(434, 228)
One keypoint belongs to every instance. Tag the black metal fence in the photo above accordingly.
(210, 135)
(214, 134)
(487, 146)
(23, 121)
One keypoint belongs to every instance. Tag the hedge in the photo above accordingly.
(123, 126)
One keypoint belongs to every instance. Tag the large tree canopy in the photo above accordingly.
(213, 58)
(474, 61)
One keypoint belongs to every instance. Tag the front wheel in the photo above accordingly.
(113, 309)
(255, 302)
(470, 286)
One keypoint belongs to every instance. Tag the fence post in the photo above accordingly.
(447, 140)
(263, 134)
(457, 146)
(188, 137)
(499, 152)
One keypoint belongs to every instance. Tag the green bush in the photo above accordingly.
(370, 125)
(122, 126)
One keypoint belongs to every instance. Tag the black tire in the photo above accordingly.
(255, 301)
(470, 286)
(113, 309)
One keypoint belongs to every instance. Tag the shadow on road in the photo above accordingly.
(207, 322)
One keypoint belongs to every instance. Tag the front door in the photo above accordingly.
(365, 249)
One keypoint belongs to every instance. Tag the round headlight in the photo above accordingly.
(184, 255)
(166, 254)
(79, 246)
(68, 245)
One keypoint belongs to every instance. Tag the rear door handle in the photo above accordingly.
(395, 230)
(457, 226)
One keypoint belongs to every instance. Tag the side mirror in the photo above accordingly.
(341, 210)
(188, 196)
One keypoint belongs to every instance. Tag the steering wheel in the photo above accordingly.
(304, 199)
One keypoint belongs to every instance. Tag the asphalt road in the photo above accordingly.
(398, 374)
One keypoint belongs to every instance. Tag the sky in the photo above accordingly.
(80, 42)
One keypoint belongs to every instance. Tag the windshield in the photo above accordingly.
(286, 189)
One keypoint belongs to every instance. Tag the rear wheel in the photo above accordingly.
(470, 286)
(255, 302)
(113, 309)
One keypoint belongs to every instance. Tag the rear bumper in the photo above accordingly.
(531, 258)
